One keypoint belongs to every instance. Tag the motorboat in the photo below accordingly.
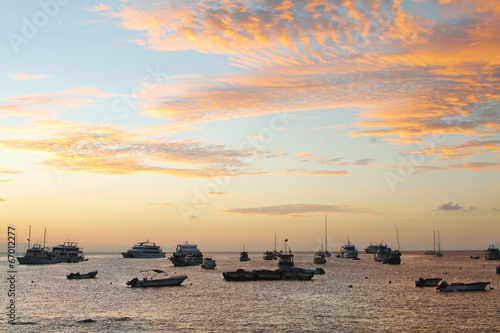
(208, 263)
(187, 255)
(38, 254)
(286, 259)
(238, 275)
(382, 254)
(319, 257)
(372, 248)
(475, 286)
(348, 251)
(144, 250)
(492, 253)
(430, 282)
(317, 270)
(244, 255)
(297, 274)
(68, 252)
(156, 278)
(89, 275)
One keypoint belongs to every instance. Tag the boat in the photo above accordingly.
(38, 254)
(244, 255)
(430, 282)
(317, 270)
(435, 253)
(156, 278)
(348, 251)
(89, 275)
(286, 259)
(498, 269)
(475, 257)
(68, 252)
(238, 275)
(475, 286)
(272, 255)
(372, 248)
(319, 257)
(327, 254)
(395, 255)
(297, 274)
(492, 253)
(266, 274)
(144, 250)
(187, 255)
(382, 254)
(208, 263)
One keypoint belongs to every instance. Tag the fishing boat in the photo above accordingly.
(38, 254)
(348, 251)
(156, 278)
(372, 248)
(244, 255)
(430, 282)
(492, 253)
(208, 263)
(286, 258)
(75, 276)
(68, 252)
(144, 250)
(475, 286)
(187, 255)
(435, 253)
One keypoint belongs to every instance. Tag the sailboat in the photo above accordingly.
(327, 254)
(438, 253)
(395, 255)
(433, 252)
(270, 255)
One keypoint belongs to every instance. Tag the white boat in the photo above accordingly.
(68, 252)
(475, 286)
(492, 253)
(75, 276)
(144, 250)
(156, 278)
(208, 263)
(348, 251)
(37, 255)
(187, 255)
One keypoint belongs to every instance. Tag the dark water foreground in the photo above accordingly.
(353, 296)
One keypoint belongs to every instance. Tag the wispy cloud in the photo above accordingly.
(449, 206)
(26, 76)
(299, 210)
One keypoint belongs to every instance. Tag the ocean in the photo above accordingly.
(352, 296)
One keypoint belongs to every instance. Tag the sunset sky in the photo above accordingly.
(223, 122)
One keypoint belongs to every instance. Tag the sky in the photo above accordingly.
(223, 123)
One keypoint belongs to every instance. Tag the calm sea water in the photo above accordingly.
(383, 298)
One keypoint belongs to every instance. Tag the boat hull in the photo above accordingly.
(78, 276)
(36, 261)
(431, 282)
(142, 255)
(476, 286)
(167, 282)
(208, 264)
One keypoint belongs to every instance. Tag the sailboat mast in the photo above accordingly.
(397, 236)
(29, 237)
(326, 236)
(434, 240)
(44, 233)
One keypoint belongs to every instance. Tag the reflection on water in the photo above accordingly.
(356, 296)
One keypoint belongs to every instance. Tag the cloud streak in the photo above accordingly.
(299, 210)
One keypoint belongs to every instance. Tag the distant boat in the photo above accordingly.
(498, 269)
(431, 282)
(144, 250)
(270, 255)
(475, 257)
(319, 257)
(286, 259)
(382, 254)
(476, 286)
(395, 255)
(348, 251)
(68, 252)
(156, 278)
(208, 263)
(238, 275)
(37, 255)
(372, 248)
(187, 255)
(89, 275)
(244, 255)
(492, 253)
(327, 254)
(435, 253)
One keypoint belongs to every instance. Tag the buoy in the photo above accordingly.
(390, 281)
(350, 286)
